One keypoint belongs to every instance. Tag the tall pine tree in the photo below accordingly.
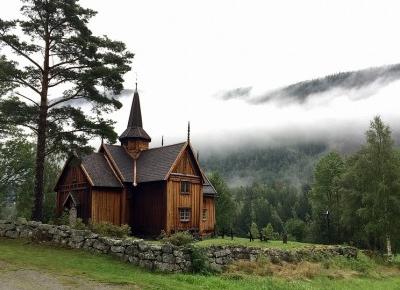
(50, 63)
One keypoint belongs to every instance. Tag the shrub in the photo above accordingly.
(63, 219)
(179, 239)
(200, 263)
(110, 230)
(79, 224)
(254, 230)
(268, 232)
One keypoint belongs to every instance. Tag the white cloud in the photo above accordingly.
(186, 51)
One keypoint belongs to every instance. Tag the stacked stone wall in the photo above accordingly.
(160, 257)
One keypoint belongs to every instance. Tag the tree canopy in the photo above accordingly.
(50, 65)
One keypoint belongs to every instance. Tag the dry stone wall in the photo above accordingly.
(160, 257)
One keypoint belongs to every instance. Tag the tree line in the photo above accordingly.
(352, 199)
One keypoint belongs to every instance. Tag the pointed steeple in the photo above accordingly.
(135, 117)
(134, 130)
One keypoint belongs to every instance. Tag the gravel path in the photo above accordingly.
(14, 278)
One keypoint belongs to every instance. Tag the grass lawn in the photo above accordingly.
(68, 262)
(256, 243)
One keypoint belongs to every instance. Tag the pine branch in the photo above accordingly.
(20, 52)
(25, 83)
(64, 62)
(73, 97)
(25, 97)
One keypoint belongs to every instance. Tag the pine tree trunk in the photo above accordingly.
(37, 213)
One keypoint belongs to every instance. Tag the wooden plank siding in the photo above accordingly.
(208, 224)
(177, 200)
(147, 208)
(184, 170)
(185, 165)
(106, 206)
(74, 180)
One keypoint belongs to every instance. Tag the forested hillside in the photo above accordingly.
(290, 164)
(312, 193)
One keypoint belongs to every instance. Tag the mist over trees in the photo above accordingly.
(352, 199)
(290, 164)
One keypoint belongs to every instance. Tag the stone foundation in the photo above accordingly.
(166, 257)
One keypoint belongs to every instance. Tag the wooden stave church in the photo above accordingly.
(150, 189)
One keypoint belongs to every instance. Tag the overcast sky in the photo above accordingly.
(190, 53)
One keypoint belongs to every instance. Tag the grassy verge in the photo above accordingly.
(257, 243)
(22, 254)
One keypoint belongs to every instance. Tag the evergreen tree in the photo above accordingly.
(224, 207)
(326, 197)
(56, 54)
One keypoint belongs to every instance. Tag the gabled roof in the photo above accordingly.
(100, 171)
(121, 160)
(96, 169)
(153, 164)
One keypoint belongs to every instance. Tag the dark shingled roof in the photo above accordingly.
(152, 165)
(208, 189)
(99, 170)
(123, 161)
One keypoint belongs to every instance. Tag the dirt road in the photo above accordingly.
(15, 278)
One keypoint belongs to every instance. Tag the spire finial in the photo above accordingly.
(188, 132)
(136, 83)
(162, 141)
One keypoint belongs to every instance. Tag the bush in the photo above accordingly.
(79, 225)
(254, 230)
(179, 239)
(200, 263)
(63, 219)
(268, 232)
(110, 230)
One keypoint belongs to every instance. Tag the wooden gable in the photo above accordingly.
(186, 163)
(72, 176)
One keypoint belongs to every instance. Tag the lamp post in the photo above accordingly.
(327, 219)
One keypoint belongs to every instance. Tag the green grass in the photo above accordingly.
(70, 262)
(257, 243)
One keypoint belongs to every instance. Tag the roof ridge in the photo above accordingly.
(112, 145)
(161, 147)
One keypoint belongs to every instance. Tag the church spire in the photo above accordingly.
(134, 130)
(135, 117)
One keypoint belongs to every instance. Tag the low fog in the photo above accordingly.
(366, 79)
